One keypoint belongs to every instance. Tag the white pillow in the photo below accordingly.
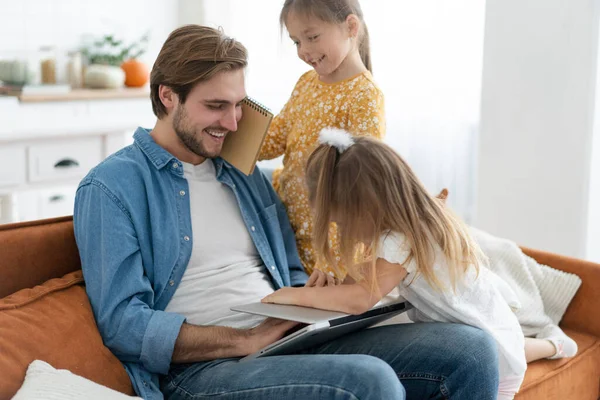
(44, 382)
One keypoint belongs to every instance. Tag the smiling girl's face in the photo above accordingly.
(322, 45)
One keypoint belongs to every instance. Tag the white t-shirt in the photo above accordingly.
(225, 269)
(478, 301)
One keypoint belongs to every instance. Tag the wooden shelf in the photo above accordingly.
(87, 94)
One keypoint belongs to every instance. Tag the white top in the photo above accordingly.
(225, 269)
(479, 301)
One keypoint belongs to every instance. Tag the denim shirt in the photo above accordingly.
(134, 233)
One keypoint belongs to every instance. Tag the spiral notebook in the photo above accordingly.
(242, 147)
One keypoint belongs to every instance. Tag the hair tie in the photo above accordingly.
(338, 138)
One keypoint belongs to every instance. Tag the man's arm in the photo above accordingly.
(199, 343)
(120, 292)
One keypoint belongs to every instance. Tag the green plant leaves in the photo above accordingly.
(109, 50)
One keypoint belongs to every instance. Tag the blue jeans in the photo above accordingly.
(407, 361)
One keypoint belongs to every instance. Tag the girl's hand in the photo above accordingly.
(286, 295)
(319, 278)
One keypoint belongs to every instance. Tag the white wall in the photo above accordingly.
(26, 25)
(537, 110)
(593, 233)
(427, 58)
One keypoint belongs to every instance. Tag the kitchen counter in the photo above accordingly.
(84, 94)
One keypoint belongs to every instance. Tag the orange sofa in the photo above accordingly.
(45, 314)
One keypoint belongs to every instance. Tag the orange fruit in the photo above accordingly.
(136, 73)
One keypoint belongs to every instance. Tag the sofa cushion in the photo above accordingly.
(567, 378)
(43, 382)
(36, 251)
(53, 322)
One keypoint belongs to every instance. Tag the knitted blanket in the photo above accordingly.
(543, 292)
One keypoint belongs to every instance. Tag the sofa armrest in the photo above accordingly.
(582, 313)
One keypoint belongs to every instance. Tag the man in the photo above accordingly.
(171, 236)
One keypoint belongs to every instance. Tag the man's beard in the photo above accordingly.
(188, 136)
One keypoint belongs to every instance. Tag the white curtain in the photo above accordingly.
(427, 58)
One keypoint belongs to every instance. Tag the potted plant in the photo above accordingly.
(113, 63)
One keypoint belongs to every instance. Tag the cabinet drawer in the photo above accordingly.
(65, 159)
(35, 204)
(57, 202)
(12, 165)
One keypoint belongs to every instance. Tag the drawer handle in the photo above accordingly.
(56, 198)
(66, 163)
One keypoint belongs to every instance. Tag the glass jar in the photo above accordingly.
(75, 70)
(48, 65)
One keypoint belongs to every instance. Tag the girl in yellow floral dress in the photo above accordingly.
(338, 92)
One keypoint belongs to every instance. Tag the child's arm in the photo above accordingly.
(275, 142)
(352, 298)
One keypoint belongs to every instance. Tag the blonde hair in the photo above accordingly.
(334, 12)
(369, 190)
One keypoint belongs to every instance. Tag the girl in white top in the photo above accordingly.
(394, 234)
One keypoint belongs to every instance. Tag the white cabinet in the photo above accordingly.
(46, 148)
(12, 165)
(44, 203)
(56, 201)
(7, 211)
(63, 158)
(38, 178)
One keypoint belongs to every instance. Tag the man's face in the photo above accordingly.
(210, 112)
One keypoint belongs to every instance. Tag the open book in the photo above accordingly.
(242, 147)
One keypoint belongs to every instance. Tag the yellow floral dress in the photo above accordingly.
(355, 104)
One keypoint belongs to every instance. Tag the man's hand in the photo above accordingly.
(269, 331)
(319, 278)
(202, 343)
